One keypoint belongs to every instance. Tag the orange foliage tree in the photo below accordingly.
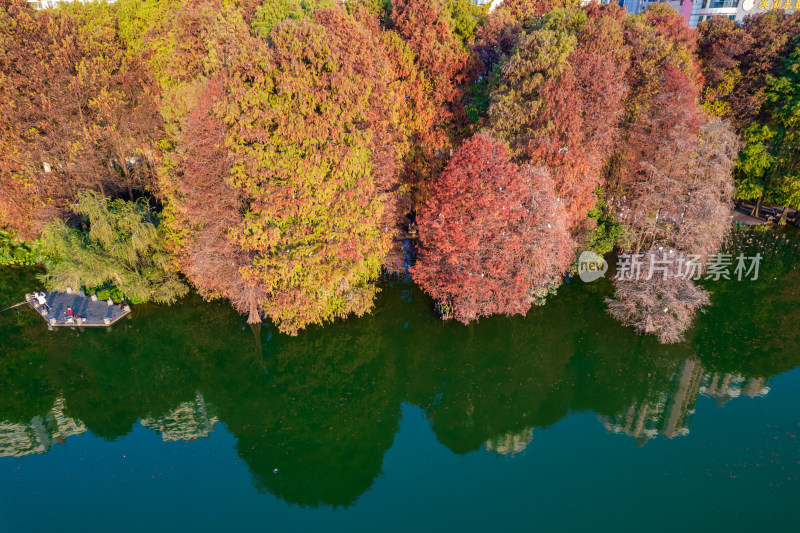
(287, 204)
(76, 112)
(425, 26)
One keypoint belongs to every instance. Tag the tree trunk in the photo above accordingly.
(254, 317)
(757, 208)
(783, 215)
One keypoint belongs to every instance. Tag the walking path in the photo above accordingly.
(742, 216)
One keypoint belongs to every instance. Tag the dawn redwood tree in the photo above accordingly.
(204, 210)
(671, 176)
(683, 196)
(769, 165)
(127, 129)
(559, 101)
(496, 38)
(186, 44)
(772, 35)
(137, 19)
(673, 170)
(270, 13)
(738, 61)
(658, 40)
(493, 235)
(465, 17)
(503, 27)
(311, 137)
(281, 181)
(657, 303)
(539, 62)
(677, 205)
(721, 42)
(707, 189)
(427, 28)
(523, 10)
(662, 58)
(75, 113)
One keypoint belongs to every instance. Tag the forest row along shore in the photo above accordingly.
(279, 155)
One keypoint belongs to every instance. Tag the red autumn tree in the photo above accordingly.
(502, 28)
(425, 129)
(205, 209)
(523, 10)
(671, 176)
(186, 46)
(674, 168)
(682, 194)
(426, 26)
(492, 233)
(559, 101)
(661, 59)
(496, 38)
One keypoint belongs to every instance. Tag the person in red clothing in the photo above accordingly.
(70, 314)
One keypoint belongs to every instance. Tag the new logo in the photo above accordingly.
(591, 266)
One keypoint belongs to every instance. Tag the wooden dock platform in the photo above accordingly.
(89, 311)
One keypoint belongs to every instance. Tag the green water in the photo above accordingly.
(184, 418)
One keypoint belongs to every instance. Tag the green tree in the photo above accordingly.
(769, 165)
(138, 19)
(273, 12)
(465, 17)
(122, 246)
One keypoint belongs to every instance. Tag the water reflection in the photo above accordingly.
(669, 414)
(38, 435)
(189, 421)
(314, 415)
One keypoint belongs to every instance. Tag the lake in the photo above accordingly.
(184, 418)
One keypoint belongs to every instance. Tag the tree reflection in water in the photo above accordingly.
(314, 415)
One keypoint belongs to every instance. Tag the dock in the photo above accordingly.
(89, 310)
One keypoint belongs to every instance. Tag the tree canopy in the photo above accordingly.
(493, 234)
(122, 245)
(76, 112)
(288, 149)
